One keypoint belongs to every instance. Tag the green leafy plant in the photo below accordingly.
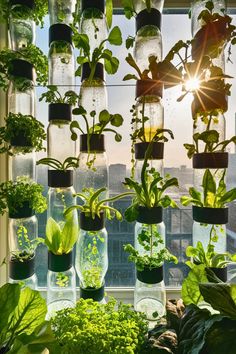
(22, 324)
(14, 193)
(33, 55)
(211, 140)
(81, 42)
(213, 196)
(122, 330)
(70, 162)
(23, 12)
(54, 96)
(18, 125)
(129, 8)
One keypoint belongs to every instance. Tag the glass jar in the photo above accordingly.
(61, 62)
(61, 283)
(93, 164)
(23, 272)
(93, 22)
(21, 32)
(91, 260)
(140, 5)
(22, 164)
(149, 293)
(155, 161)
(23, 230)
(148, 40)
(149, 105)
(93, 93)
(21, 93)
(59, 143)
(61, 11)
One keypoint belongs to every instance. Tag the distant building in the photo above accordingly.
(117, 174)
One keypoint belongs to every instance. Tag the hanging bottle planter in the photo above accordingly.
(21, 92)
(61, 11)
(23, 272)
(61, 58)
(21, 25)
(59, 143)
(93, 22)
(91, 256)
(93, 164)
(148, 40)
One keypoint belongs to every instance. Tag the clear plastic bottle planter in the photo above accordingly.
(59, 143)
(93, 168)
(149, 104)
(155, 161)
(61, 282)
(148, 40)
(61, 11)
(61, 61)
(140, 5)
(23, 272)
(21, 30)
(93, 22)
(149, 293)
(91, 261)
(208, 223)
(20, 163)
(93, 92)
(21, 100)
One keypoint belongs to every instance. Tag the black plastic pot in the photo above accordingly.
(211, 160)
(21, 68)
(4, 350)
(148, 88)
(99, 72)
(59, 179)
(221, 273)
(91, 293)
(59, 111)
(150, 215)
(151, 18)
(214, 216)
(24, 212)
(60, 263)
(157, 151)
(21, 270)
(28, 3)
(150, 276)
(20, 140)
(96, 143)
(89, 4)
(87, 223)
(60, 32)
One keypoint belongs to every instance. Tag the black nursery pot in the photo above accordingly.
(221, 273)
(60, 32)
(59, 111)
(59, 179)
(20, 140)
(150, 276)
(60, 263)
(96, 143)
(98, 74)
(148, 18)
(211, 160)
(91, 293)
(21, 68)
(89, 4)
(28, 3)
(214, 216)
(87, 223)
(156, 154)
(23, 212)
(4, 350)
(150, 215)
(148, 88)
(21, 270)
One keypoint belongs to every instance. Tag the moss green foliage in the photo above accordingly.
(17, 125)
(14, 193)
(102, 329)
(33, 55)
(23, 12)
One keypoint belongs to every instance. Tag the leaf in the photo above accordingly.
(53, 235)
(69, 234)
(9, 295)
(130, 60)
(109, 12)
(111, 65)
(115, 36)
(104, 116)
(190, 150)
(195, 194)
(129, 43)
(209, 187)
(131, 213)
(228, 197)
(190, 287)
(130, 77)
(116, 120)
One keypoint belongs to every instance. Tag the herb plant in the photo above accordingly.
(14, 193)
(17, 125)
(81, 41)
(70, 162)
(33, 55)
(129, 8)
(113, 328)
(54, 96)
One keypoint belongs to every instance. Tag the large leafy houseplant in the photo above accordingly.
(23, 131)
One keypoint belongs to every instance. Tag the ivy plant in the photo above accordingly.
(70, 162)
(54, 96)
(33, 55)
(17, 125)
(81, 41)
(211, 140)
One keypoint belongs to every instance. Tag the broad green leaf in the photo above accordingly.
(111, 65)
(209, 187)
(109, 12)
(104, 116)
(53, 235)
(209, 137)
(229, 196)
(190, 288)
(115, 36)
(129, 43)
(130, 60)
(195, 194)
(69, 234)
(131, 213)
(9, 295)
(116, 120)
